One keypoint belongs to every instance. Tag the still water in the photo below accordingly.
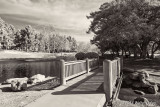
(27, 68)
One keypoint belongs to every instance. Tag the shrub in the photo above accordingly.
(91, 55)
(80, 56)
(66, 58)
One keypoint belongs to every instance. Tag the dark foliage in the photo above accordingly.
(91, 55)
(80, 56)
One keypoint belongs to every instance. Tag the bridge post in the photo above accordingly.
(87, 65)
(121, 61)
(62, 77)
(107, 72)
(118, 66)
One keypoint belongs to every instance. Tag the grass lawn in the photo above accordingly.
(13, 54)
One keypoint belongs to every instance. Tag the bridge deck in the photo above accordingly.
(83, 91)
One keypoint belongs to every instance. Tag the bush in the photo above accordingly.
(66, 58)
(91, 55)
(80, 56)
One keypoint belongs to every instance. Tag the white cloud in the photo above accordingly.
(63, 14)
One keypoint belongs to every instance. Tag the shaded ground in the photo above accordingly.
(152, 67)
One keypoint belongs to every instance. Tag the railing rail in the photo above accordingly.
(73, 69)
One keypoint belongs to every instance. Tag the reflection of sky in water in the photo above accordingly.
(28, 69)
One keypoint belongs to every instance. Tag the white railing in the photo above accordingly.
(73, 69)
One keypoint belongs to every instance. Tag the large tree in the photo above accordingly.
(6, 34)
(126, 25)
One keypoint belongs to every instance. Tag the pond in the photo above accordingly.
(18, 68)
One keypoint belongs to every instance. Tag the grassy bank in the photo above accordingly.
(13, 54)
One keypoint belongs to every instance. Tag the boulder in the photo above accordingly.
(145, 73)
(14, 86)
(18, 85)
(142, 77)
(142, 100)
(145, 84)
(127, 81)
(8, 81)
(136, 84)
(134, 76)
(37, 78)
(153, 89)
(152, 82)
(139, 92)
(22, 85)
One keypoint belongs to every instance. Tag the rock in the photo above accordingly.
(18, 85)
(14, 85)
(136, 84)
(142, 100)
(142, 77)
(145, 73)
(153, 89)
(134, 76)
(127, 81)
(22, 85)
(145, 84)
(139, 92)
(37, 78)
(152, 82)
(8, 81)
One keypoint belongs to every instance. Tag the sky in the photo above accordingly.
(68, 17)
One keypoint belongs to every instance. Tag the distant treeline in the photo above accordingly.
(30, 39)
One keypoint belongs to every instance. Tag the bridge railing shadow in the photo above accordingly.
(93, 84)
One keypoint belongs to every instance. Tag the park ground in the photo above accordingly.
(13, 54)
(8, 98)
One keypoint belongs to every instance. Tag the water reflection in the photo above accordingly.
(19, 69)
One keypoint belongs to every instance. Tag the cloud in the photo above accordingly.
(67, 16)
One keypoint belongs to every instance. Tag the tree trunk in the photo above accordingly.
(154, 50)
(135, 52)
(147, 54)
(144, 52)
(122, 52)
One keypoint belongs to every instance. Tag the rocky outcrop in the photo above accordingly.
(153, 89)
(36, 79)
(8, 81)
(134, 76)
(136, 85)
(140, 80)
(18, 85)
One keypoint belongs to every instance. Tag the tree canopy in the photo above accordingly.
(30, 39)
(127, 26)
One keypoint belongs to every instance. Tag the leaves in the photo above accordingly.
(125, 24)
(29, 39)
